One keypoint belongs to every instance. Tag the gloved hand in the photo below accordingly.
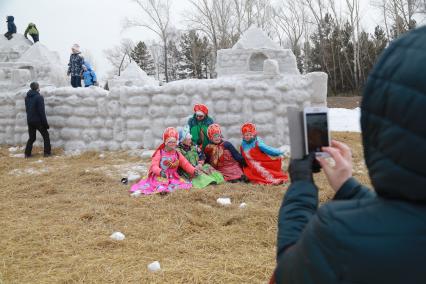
(303, 169)
(47, 126)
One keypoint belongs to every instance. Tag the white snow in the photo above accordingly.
(133, 176)
(342, 119)
(133, 75)
(154, 266)
(255, 38)
(137, 193)
(133, 71)
(243, 205)
(118, 236)
(17, 148)
(28, 171)
(224, 201)
(39, 53)
(17, 155)
(147, 154)
(133, 171)
(10, 50)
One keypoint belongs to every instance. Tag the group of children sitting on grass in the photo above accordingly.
(197, 156)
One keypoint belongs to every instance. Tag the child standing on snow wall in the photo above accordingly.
(194, 155)
(263, 163)
(163, 176)
(89, 76)
(75, 66)
(223, 156)
(11, 27)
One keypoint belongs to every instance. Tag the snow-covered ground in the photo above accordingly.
(342, 119)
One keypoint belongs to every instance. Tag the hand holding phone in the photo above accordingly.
(341, 171)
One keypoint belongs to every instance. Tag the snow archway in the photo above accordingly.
(256, 61)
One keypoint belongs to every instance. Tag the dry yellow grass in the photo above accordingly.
(55, 227)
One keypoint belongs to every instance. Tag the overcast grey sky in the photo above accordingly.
(97, 24)
(94, 24)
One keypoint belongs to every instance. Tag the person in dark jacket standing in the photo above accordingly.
(36, 120)
(11, 27)
(75, 66)
(32, 31)
(366, 236)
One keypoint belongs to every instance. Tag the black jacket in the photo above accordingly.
(75, 65)
(364, 236)
(34, 106)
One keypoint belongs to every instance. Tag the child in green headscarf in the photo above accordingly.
(208, 175)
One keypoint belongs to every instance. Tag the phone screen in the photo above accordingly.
(317, 131)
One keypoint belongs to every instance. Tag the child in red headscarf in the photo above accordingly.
(263, 163)
(223, 156)
(163, 176)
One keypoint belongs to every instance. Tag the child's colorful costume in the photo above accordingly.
(223, 156)
(198, 128)
(263, 163)
(163, 175)
(196, 158)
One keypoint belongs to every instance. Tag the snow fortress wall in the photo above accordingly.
(132, 117)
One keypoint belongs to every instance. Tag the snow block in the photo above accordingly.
(78, 122)
(70, 133)
(140, 100)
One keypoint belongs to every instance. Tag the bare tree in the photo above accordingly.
(264, 11)
(400, 14)
(353, 11)
(119, 56)
(318, 9)
(158, 14)
(213, 18)
(156, 51)
(290, 21)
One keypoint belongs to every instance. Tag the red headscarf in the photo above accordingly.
(169, 133)
(213, 129)
(248, 127)
(202, 108)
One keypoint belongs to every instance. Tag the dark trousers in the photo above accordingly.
(35, 38)
(8, 35)
(32, 130)
(75, 81)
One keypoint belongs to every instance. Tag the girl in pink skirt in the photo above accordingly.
(163, 176)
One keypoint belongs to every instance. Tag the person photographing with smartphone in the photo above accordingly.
(366, 236)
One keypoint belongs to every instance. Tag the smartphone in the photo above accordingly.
(316, 130)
